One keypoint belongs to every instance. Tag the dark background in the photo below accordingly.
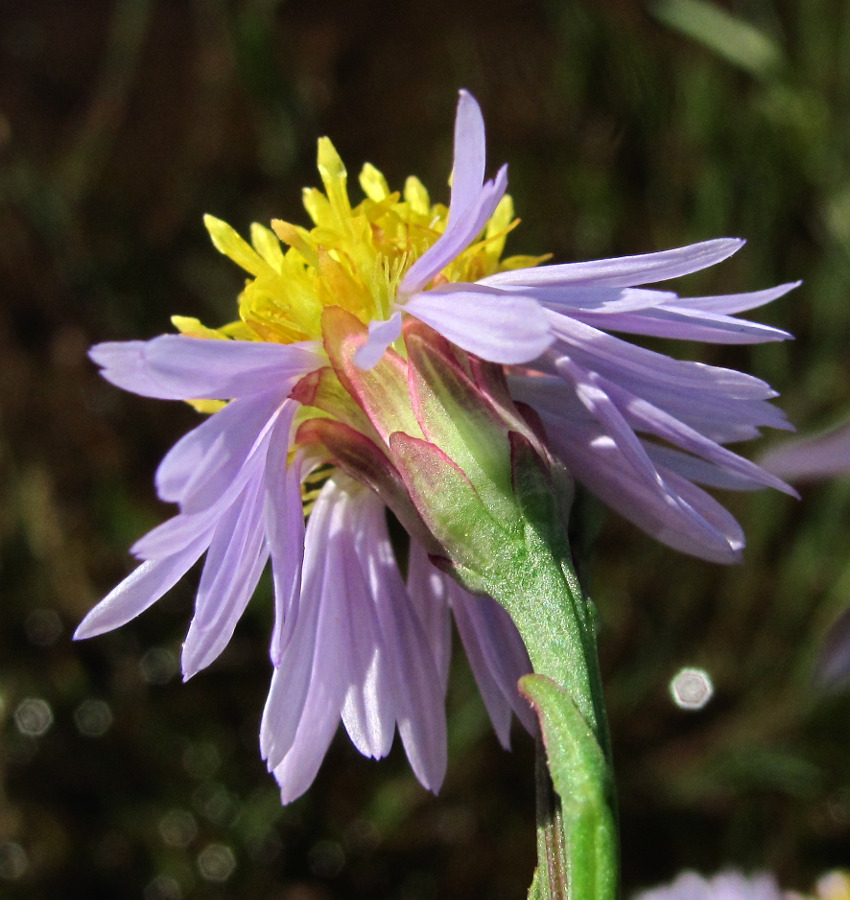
(628, 127)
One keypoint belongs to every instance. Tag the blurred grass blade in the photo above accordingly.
(735, 40)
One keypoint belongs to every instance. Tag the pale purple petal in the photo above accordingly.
(710, 512)
(720, 418)
(703, 472)
(498, 659)
(564, 415)
(677, 520)
(426, 586)
(623, 362)
(140, 590)
(611, 420)
(181, 529)
(645, 417)
(693, 392)
(729, 304)
(289, 686)
(624, 271)
(470, 154)
(495, 701)
(178, 367)
(696, 524)
(460, 232)
(235, 560)
(369, 711)
(417, 685)
(284, 515)
(347, 675)
(316, 728)
(495, 326)
(329, 681)
(729, 885)
(591, 299)
(313, 625)
(206, 461)
(473, 201)
(177, 533)
(685, 325)
(382, 333)
(493, 645)
(811, 459)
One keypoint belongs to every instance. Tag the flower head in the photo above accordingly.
(728, 885)
(389, 357)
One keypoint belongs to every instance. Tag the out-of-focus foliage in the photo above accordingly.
(628, 127)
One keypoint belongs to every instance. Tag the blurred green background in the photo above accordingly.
(628, 127)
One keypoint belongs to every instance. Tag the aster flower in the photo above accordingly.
(380, 356)
(813, 458)
(727, 885)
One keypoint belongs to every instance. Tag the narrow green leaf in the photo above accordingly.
(734, 39)
(582, 779)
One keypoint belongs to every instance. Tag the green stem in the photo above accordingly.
(525, 564)
(576, 822)
(577, 834)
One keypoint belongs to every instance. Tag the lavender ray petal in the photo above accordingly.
(500, 328)
(234, 563)
(285, 534)
(684, 324)
(646, 417)
(369, 710)
(469, 154)
(331, 673)
(198, 468)
(624, 271)
(426, 587)
(495, 700)
(618, 360)
(576, 299)
(299, 662)
(501, 646)
(610, 418)
(708, 509)
(729, 304)
(298, 768)
(716, 417)
(141, 589)
(417, 685)
(381, 334)
(810, 459)
(177, 367)
(178, 531)
(460, 232)
(176, 534)
(701, 470)
(595, 460)
(289, 686)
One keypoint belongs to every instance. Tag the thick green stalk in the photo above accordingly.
(576, 822)
(577, 834)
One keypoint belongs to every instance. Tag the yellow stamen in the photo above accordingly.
(352, 257)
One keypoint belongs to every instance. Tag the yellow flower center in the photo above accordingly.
(352, 257)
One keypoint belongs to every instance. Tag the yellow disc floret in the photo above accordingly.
(353, 257)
